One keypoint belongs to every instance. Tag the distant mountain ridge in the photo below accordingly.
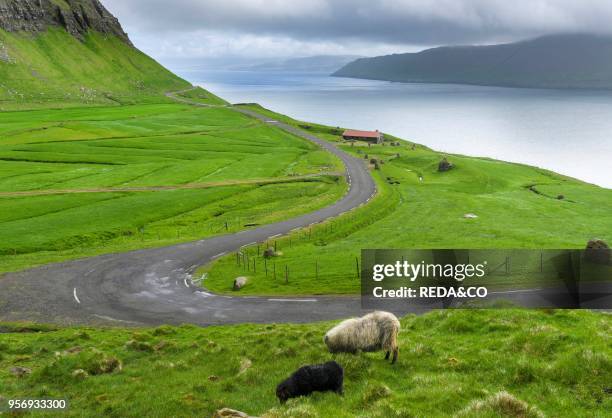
(314, 64)
(555, 61)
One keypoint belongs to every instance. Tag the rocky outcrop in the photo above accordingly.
(598, 251)
(76, 16)
(445, 165)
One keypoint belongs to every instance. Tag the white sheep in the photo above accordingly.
(373, 332)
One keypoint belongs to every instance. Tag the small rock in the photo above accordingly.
(444, 165)
(560, 197)
(20, 371)
(80, 374)
(213, 378)
(269, 252)
(598, 251)
(245, 364)
(470, 216)
(240, 282)
(230, 413)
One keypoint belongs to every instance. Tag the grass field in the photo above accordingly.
(85, 181)
(552, 363)
(410, 213)
(54, 69)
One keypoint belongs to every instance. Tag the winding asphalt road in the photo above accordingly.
(154, 286)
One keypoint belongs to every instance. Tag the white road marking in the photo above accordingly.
(248, 245)
(186, 285)
(275, 236)
(292, 300)
(75, 296)
(218, 255)
(201, 292)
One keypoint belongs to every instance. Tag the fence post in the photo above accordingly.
(317, 270)
(541, 262)
(254, 266)
(275, 271)
(266, 266)
(286, 274)
(226, 227)
(357, 263)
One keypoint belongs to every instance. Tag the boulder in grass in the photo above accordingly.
(240, 282)
(445, 165)
(470, 216)
(80, 374)
(598, 251)
(270, 252)
(19, 371)
(230, 413)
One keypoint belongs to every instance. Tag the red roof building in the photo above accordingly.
(375, 137)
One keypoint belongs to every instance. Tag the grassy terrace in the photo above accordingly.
(552, 363)
(410, 213)
(85, 181)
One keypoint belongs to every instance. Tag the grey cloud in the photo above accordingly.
(390, 22)
(399, 21)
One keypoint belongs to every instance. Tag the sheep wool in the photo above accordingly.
(373, 332)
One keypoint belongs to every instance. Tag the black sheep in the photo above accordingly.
(314, 378)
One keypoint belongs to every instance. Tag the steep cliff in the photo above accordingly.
(73, 51)
(77, 17)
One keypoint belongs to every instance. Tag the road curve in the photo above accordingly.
(153, 286)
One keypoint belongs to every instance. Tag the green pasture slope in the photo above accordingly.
(54, 69)
(503, 363)
(230, 171)
(517, 207)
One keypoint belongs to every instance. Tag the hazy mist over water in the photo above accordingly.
(567, 131)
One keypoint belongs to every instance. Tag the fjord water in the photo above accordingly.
(567, 131)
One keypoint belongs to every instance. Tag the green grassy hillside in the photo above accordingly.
(516, 205)
(53, 68)
(550, 363)
(84, 181)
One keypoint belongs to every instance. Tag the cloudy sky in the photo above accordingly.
(263, 29)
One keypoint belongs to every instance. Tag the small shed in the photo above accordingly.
(374, 137)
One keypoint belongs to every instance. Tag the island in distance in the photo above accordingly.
(571, 61)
